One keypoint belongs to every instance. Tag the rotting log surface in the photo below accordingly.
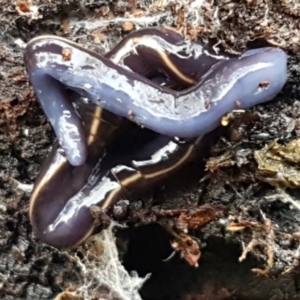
(31, 270)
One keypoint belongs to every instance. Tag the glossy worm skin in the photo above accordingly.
(107, 175)
(60, 206)
(228, 83)
(104, 177)
(151, 51)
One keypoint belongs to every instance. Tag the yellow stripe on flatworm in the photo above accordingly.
(177, 164)
(108, 201)
(95, 125)
(51, 172)
(123, 183)
(127, 181)
(87, 234)
(174, 69)
(147, 41)
(54, 168)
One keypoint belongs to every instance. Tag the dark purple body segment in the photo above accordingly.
(59, 181)
(62, 217)
(227, 84)
(64, 194)
(150, 51)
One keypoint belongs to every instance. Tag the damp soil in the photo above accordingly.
(219, 213)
